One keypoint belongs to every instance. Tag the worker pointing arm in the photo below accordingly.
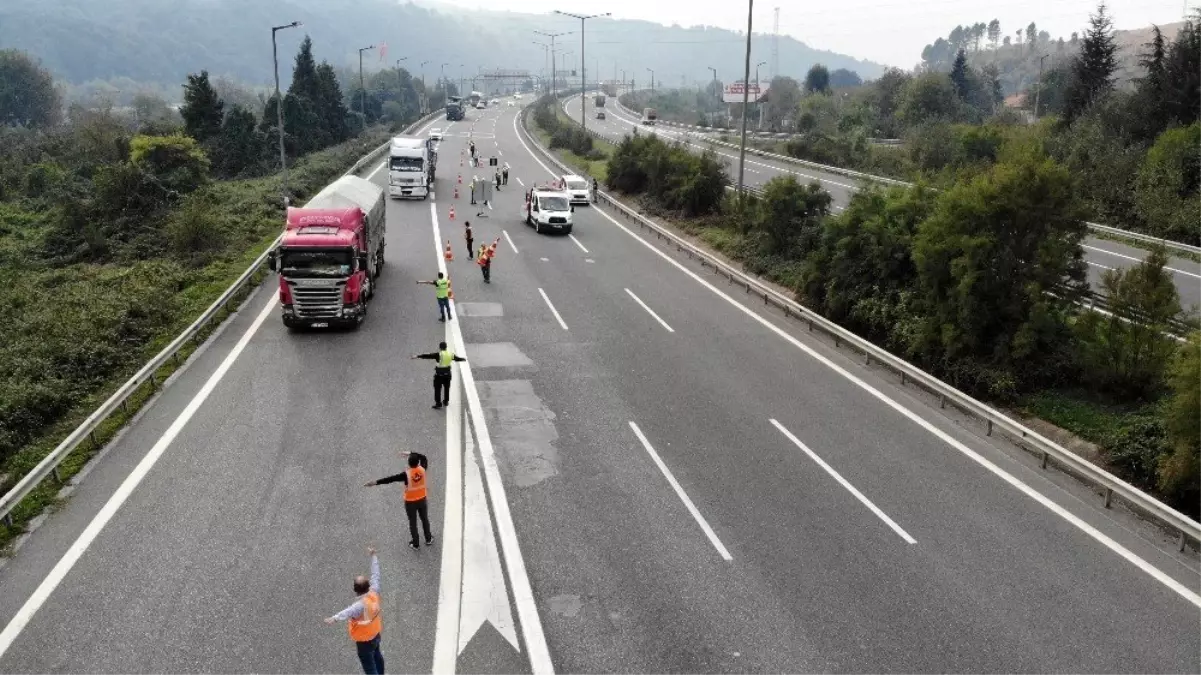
(364, 620)
(443, 358)
(416, 506)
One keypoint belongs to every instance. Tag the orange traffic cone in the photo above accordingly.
(450, 255)
(460, 179)
(456, 192)
(452, 213)
(450, 291)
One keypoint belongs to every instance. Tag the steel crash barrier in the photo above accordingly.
(147, 375)
(1109, 486)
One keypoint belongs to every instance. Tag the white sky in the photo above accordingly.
(892, 32)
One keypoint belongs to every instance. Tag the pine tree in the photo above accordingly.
(304, 73)
(330, 105)
(1182, 75)
(1094, 68)
(1152, 85)
(959, 75)
(994, 32)
(202, 109)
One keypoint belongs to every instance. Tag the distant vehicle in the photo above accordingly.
(511, 104)
(412, 164)
(577, 188)
(600, 114)
(650, 116)
(549, 208)
(436, 134)
(481, 105)
(331, 253)
(599, 100)
(474, 99)
(454, 109)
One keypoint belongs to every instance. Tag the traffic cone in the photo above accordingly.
(460, 179)
(450, 291)
(456, 192)
(450, 255)
(452, 213)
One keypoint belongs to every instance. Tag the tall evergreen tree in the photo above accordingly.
(331, 107)
(959, 75)
(1182, 75)
(1094, 68)
(1151, 87)
(994, 32)
(304, 73)
(202, 109)
(817, 80)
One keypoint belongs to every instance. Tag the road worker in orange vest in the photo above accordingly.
(364, 620)
(415, 495)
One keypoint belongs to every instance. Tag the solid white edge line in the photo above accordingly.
(650, 311)
(845, 483)
(523, 595)
(1102, 538)
(510, 240)
(675, 485)
(42, 593)
(552, 308)
(577, 243)
(1137, 260)
(520, 181)
(450, 584)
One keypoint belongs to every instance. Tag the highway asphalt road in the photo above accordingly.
(637, 473)
(1101, 254)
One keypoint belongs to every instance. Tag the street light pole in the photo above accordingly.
(652, 72)
(759, 93)
(400, 82)
(746, 77)
(425, 99)
(583, 72)
(1039, 92)
(552, 37)
(363, 85)
(279, 110)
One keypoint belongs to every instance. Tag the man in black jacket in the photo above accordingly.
(443, 358)
(416, 497)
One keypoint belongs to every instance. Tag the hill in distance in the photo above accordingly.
(152, 41)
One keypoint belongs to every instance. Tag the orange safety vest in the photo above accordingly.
(369, 625)
(415, 489)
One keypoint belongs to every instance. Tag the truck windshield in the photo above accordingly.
(405, 164)
(553, 204)
(316, 262)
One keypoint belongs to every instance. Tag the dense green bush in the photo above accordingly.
(673, 177)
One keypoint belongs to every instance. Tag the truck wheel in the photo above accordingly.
(538, 226)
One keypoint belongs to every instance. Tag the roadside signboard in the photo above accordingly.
(733, 93)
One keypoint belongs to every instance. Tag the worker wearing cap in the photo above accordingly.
(363, 619)
(415, 496)
(444, 358)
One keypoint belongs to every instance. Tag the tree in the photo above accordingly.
(994, 32)
(928, 97)
(202, 109)
(1180, 471)
(783, 98)
(842, 78)
(152, 110)
(959, 75)
(304, 73)
(1152, 86)
(174, 164)
(978, 31)
(27, 94)
(241, 147)
(331, 107)
(957, 38)
(817, 80)
(1126, 353)
(789, 215)
(1006, 41)
(1182, 98)
(1032, 36)
(988, 258)
(1093, 70)
(1168, 185)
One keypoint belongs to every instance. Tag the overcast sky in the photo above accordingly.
(892, 32)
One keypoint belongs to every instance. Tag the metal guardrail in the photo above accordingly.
(147, 374)
(1025, 437)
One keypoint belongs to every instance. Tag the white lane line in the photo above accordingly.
(523, 594)
(1100, 537)
(382, 164)
(1093, 264)
(520, 181)
(845, 483)
(1130, 257)
(577, 243)
(450, 603)
(649, 310)
(510, 240)
(675, 485)
(42, 593)
(552, 308)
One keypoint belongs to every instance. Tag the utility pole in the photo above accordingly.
(279, 111)
(746, 90)
(1039, 92)
(553, 74)
(425, 99)
(583, 77)
(759, 93)
(400, 83)
(715, 91)
(363, 86)
(652, 72)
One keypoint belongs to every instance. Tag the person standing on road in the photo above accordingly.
(497, 179)
(484, 260)
(364, 620)
(415, 495)
(504, 174)
(442, 292)
(595, 187)
(468, 236)
(444, 358)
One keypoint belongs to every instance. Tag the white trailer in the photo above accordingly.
(411, 165)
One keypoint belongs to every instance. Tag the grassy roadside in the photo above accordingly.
(594, 168)
(245, 215)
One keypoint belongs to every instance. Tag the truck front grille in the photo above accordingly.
(317, 302)
(557, 220)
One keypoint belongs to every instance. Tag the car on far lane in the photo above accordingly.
(436, 134)
(600, 114)
(577, 188)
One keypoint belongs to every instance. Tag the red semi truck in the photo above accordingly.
(331, 254)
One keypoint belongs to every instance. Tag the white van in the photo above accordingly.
(549, 210)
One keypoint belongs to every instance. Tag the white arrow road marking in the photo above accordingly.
(485, 593)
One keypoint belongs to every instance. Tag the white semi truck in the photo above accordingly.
(412, 164)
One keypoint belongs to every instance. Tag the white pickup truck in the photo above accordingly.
(549, 209)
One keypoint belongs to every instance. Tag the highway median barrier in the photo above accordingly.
(1106, 485)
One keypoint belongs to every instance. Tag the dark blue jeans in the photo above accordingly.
(444, 308)
(370, 656)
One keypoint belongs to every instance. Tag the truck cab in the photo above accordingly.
(412, 162)
(650, 116)
(549, 209)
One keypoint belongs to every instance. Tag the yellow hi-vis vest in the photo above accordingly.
(443, 286)
(445, 358)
